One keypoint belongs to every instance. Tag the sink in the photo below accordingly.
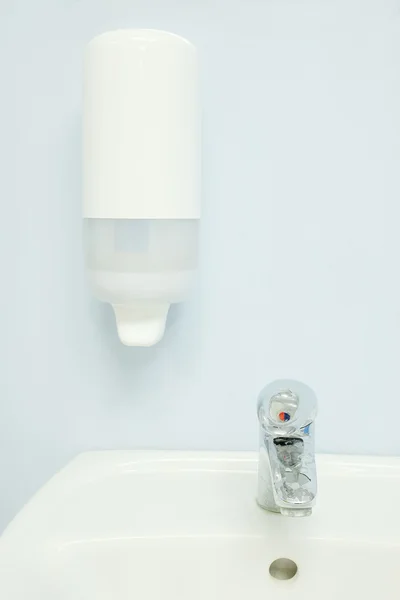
(170, 525)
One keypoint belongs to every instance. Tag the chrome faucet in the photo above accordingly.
(287, 478)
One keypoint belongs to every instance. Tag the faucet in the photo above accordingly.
(287, 478)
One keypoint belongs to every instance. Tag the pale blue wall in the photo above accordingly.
(300, 236)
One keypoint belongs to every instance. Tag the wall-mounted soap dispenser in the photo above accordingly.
(141, 170)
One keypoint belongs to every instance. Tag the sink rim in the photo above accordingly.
(92, 468)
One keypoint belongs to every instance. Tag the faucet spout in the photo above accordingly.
(287, 480)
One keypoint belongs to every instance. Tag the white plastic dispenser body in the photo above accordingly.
(141, 171)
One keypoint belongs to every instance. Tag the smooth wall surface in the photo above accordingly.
(300, 235)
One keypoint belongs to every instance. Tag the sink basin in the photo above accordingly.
(168, 525)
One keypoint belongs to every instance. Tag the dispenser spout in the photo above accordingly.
(141, 323)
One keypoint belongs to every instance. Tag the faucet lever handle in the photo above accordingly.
(283, 406)
(287, 405)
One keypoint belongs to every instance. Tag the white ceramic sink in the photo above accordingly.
(175, 526)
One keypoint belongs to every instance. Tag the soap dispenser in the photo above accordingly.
(141, 176)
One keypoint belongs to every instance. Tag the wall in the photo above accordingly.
(300, 237)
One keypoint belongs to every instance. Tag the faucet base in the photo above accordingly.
(286, 512)
(296, 512)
